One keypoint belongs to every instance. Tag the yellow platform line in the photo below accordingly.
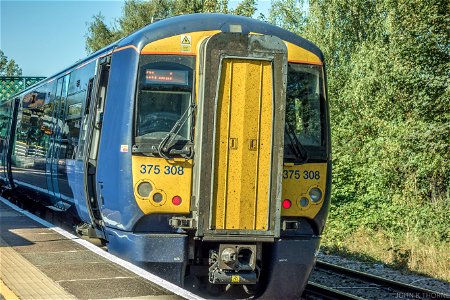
(26, 280)
(6, 292)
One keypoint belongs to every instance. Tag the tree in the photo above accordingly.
(388, 67)
(288, 14)
(99, 35)
(137, 14)
(245, 8)
(8, 67)
(388, 81)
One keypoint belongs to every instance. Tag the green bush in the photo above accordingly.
(388, 79)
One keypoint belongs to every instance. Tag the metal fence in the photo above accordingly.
(12, 85)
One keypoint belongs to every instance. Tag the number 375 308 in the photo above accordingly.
(157, 169)
(298, 174)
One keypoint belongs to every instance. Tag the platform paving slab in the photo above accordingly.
(38, 263)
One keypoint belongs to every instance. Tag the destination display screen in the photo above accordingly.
(158, 76)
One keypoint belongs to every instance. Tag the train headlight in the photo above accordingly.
(144, 189)
(158, 197)
(315, 194)
(304, 202)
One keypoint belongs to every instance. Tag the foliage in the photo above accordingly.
(8, 67)
(288, 14)
(389, 91)
(387, 66)
(99, 34)
(137, 14)
(245, 8)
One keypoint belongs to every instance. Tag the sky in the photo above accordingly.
(44, 37)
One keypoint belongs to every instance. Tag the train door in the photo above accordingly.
(242, 105)
(10, 140)
(5, 124)
(56, 147)
(93, 119)
(3, 147)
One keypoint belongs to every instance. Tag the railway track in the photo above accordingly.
(352, 284)
(317, 291)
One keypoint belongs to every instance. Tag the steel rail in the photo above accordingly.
(327, 293)
(406, 288)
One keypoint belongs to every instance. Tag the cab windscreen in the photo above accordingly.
(164, 101)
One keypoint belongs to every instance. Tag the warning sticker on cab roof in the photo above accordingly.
(186, 43)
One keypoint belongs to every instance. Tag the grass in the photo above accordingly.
(407, 253)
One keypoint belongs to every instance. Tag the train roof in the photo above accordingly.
(209, 21)
(191, 23)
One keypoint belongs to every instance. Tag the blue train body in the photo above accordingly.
(68, 140)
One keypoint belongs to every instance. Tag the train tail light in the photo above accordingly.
(287, 203)
(176, 200)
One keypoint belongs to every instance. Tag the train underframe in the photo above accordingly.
(270, 270)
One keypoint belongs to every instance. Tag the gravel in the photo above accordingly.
(386, 272)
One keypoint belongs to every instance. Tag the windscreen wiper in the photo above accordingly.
(297, 147)
(167, 140)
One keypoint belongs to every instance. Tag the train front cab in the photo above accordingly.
(231, 149)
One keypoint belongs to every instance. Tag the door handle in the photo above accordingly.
(233, 143)
(253, 144)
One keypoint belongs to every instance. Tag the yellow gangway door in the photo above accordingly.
(242, 155)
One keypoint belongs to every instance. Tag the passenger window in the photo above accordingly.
(85, 118)
(77, 90)
(61, 120)
(5, 117)
(47, 125)
(31, 138)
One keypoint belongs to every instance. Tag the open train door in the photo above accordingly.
(92, 122)
(239, 137)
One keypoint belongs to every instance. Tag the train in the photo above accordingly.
(198, 148)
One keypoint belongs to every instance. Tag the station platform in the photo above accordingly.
(40, 261)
